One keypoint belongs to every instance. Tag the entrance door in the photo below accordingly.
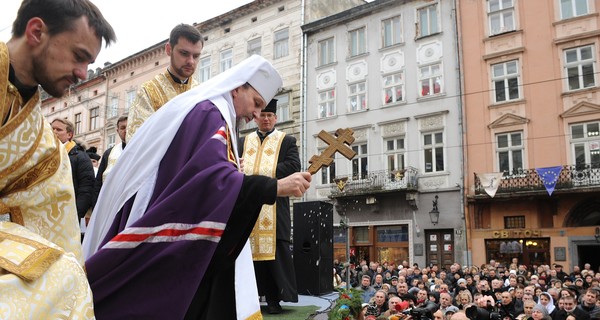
(440, 247)
(589, 254)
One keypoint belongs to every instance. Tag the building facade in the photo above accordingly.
(83, 105)
(388, 70)
(532, 137)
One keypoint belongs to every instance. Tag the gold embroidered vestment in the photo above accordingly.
(41, 274)
(151, 96)
(261, 159)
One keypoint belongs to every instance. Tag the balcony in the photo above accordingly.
(375, 182)
(571, 178)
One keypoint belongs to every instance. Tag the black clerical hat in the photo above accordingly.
(271, 107)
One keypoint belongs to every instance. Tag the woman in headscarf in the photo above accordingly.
(547, 302)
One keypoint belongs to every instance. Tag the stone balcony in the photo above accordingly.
(375, 182)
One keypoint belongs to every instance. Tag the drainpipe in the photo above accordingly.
(303, 89)
(463, 140)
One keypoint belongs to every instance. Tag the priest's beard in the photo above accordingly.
(42, 76)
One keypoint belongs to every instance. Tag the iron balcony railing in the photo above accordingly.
(571, 177)
(375, 181)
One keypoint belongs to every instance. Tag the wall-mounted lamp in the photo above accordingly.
(597, 234)
(434, 214)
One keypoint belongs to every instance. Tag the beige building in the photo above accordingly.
(532, 114)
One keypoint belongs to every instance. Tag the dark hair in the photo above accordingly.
(185, 30)
(59, 15)
(121, 119)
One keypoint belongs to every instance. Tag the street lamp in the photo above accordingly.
(434, 214)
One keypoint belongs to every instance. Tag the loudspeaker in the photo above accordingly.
(313, 247)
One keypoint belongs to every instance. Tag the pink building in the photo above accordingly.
(531, 101)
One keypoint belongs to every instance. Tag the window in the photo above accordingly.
(391, 31)
(283, 107)
(430, 80)
(328, 173)
(394, 152)
(357, 97)
(509, 150)
(505, 80)
(397, 233)
(110, 141)
(392, 243)
(428, 21)
(361, 234)
(204, 69)
(357, 42)
(113, 107)
(585, 142)
(326, 53)
(226, 59)
(573, 8)
(130, 98)
(501, 15)
(340, 238)
(359, 163)
(280, 45)
(514, 222)
(528, 251)
(254, 46)
(579, 66)
(94, 118)
(433, 151)
(78, 123)
(393, 88)
(327, 103)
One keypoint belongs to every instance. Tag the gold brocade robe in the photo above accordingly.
(261, 159)
(41, 274)
(151, 96)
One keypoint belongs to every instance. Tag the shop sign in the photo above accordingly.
(527, 233)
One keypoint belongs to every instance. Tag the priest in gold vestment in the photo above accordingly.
(270, 152)
(184, 47)
(41, 264)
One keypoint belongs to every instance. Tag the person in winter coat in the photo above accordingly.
(81, 165)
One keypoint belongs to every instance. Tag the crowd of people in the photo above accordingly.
(491, 291)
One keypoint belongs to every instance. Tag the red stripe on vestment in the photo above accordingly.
(167, 233)
(222, 132)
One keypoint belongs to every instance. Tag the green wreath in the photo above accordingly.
(348, 305)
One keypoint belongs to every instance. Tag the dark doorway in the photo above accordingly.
(589, 254)
(440, 247)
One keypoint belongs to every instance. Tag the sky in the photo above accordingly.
(138, 24)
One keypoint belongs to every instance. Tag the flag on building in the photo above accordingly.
(490, 182)
(549, 177)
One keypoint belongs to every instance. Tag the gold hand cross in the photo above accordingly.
(339, 144)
